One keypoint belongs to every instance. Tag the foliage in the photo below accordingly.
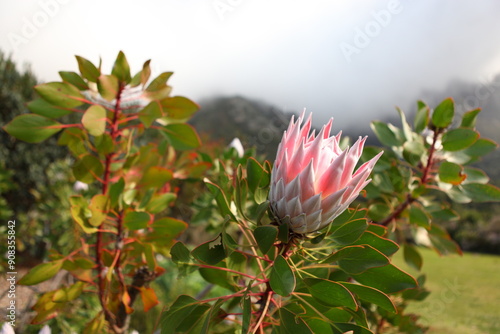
(125, 224)
(260, 276)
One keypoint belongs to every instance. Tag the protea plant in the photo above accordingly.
(313, 179)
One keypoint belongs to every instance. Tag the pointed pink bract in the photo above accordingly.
(313, 179)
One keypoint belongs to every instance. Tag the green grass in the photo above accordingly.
(465, 293)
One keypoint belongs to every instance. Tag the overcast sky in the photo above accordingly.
(346, 59)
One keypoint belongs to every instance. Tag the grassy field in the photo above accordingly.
(465, 293)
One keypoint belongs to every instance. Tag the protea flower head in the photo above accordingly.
(313, 179)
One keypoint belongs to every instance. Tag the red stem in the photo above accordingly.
(423, 180)
(105, 184)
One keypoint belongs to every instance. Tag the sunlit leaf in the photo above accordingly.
(32, 128)
(149, 299)
(87, 69)
(41, 272)
(108, 86)
(179, 107)
(181, 136)
(60, 94)
(94, 120)
(121, 68)
(73, 79)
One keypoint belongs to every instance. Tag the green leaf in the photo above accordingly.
(247, 309)
(475, 175)
(60, 94)
(371, 295)
(265, 236)
(32, 128)
(108, 86)
(44, 108)
(388, 279)
(282, 279)
(218, 277)
(357, 259)
(150, 113)
(121, 68)
(442, 242)
(156, 177)
(443, 114)
(160, 202)
(99, 207)
(74, 79)
(421, 117)
(291, 323)
(181, 136)
(180, 253)
(450, 172)
(179, 107)
(284, 233)
(182, 307)
(210, 252)
(469, 119)
(481, 147)
(383, 245)
(142, 76)
(87, 168)
(41, 272)
(115, 190)
(80, 213)
(349, 232)
(87, 69)
(479, 192)
(385, 134)
(220, 198)
(344, 328)
(330, 293)
(104, 144)
(165, 230)
(378, 211)
(459, 139)
(94, 120)
(159, 82)
(412, 256)
(256, 175)
(419, 217)
(215, 315)
(407, 132)
(136, 220)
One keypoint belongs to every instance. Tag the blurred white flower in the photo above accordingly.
(7, 329)
(80, 186)
(238, 146)
(45, 330)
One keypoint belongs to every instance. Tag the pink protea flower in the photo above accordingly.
(312, 181)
